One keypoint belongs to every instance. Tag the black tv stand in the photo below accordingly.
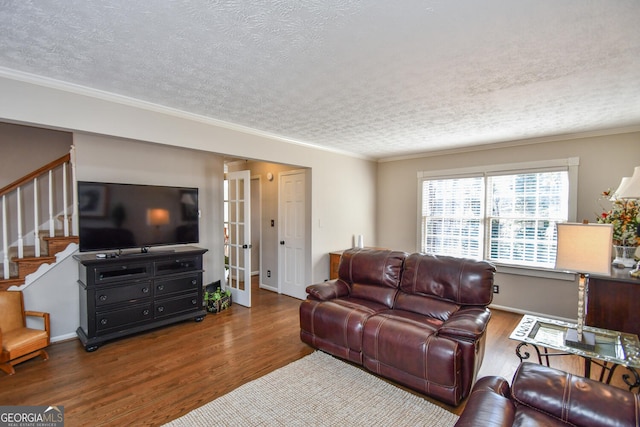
(124, 295)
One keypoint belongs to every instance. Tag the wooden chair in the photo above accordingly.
(18, 342)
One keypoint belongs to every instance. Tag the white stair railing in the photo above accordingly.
(13, 227)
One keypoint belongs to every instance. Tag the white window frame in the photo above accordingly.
(570, 164)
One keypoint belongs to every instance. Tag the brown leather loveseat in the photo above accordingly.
(419, 320)
(542, 396)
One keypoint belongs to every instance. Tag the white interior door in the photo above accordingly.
(237, 223)
(292, 234)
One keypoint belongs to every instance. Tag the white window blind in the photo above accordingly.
(506, 217)
(452, 216)
(524, 209)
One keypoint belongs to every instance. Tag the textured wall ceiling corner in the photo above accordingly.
(376, 79)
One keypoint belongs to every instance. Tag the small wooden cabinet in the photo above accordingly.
(334, 263)
(132, 293)
(614, 302)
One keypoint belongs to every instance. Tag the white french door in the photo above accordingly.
(237, 224)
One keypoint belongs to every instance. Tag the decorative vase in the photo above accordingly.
(625, 255)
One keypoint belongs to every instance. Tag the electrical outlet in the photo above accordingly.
(268, 273)
(496, 289)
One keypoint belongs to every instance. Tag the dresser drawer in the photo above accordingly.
(178, 265)
(111, 295)
(171, 306)
(175, 285)
(123, 272)
(106, 321)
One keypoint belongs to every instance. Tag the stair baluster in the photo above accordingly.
(5, 239)
(52, 229)
(65, 215)
(19, 225)
(36, 229)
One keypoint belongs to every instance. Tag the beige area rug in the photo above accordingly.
(318, 390)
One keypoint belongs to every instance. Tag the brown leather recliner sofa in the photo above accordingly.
(419, 320)
(543, 396)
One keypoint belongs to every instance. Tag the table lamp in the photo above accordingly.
(583, 249)
(629, 187)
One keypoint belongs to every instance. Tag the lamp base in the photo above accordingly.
(588, 341)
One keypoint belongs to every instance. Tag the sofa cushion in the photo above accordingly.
(426, 306)
(460, 281)
(373, 274)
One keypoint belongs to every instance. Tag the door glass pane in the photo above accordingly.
(240, 189)
(240, 212)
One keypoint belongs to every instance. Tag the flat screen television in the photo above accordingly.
(123, 216)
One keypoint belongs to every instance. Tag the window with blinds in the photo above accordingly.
(502, 217)
(452, 216)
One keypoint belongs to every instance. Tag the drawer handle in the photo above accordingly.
(103, 321)
(194, 281)
(145, 312)
(160, 309)
(145, 290)
(103, 297)
(161, 287)
(194, 301)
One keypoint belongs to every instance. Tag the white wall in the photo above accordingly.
(604, 160)
(56, 292)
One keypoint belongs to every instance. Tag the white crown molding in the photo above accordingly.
(156, 108)
(517, 143)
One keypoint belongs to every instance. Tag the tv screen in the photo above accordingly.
(121, 216)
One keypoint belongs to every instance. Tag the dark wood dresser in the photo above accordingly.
(132, 293)
(614, 302)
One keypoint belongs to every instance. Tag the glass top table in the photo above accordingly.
(612, 348)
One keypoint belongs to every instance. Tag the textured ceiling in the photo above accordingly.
(374, 78)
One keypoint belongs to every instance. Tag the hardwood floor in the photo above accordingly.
(152, 378)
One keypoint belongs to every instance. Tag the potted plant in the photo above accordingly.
(217, 300)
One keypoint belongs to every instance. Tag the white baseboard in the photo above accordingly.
(269, 288)
(517, 310)
(65, 337)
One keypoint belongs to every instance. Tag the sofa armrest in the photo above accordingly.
(488, 405)
(467, 323)
(328, 290)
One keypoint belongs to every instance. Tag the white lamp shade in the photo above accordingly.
(584, 248)
(629, 186)
(621, 188)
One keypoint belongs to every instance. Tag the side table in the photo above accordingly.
(613, 348)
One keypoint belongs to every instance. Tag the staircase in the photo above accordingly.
(42, 193)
